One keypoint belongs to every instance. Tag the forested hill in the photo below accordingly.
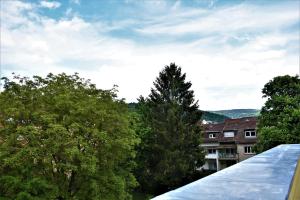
(207, 116)
(218, 116)
(211, 117)
(132, 107)
(238, 113)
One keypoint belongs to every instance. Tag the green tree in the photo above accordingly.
(170, 137)
(61, 138)
(279, 122)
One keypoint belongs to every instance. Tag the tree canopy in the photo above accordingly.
(62, 138)
(279, 122)
(170, 136)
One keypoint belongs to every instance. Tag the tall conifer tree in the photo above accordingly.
(170, 149)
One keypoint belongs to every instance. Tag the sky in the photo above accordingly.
(228, 49)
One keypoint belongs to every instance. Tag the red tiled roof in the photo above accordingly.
(237, 125)
(214, 127)
(241, 123)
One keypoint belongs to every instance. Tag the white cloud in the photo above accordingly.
(223, 75)
(50, 4)
(75, 2)
(242, 17)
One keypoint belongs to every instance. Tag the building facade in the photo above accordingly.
(229, 143)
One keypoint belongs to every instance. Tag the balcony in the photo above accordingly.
(228, 156)
(211, 156)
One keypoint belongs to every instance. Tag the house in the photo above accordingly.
(229, 143)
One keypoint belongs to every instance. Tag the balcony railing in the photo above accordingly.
(211, 156)
(228, 155)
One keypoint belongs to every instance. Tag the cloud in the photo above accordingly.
(227, 68)
(75, 2)
(50, 4)
(241, 17)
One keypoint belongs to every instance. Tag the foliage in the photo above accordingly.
(141, 196)
(61, 138)
(170, 137)
(279, 122)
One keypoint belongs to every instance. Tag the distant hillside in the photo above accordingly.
(238, 113)
(213, 117)
(217, 116)
(132, 106)
(206, 115)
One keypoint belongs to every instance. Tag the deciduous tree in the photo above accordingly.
(279, 122)
(62, 138)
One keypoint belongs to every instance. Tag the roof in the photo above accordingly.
(232, 124)
(237, 125)
(214, 127)
(265, 176)
(241, 123)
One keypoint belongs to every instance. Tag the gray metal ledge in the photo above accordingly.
(266, 176)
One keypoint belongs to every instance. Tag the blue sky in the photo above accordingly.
(229, 49)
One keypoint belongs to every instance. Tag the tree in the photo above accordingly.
(170, 137)
(279, 122)
(61, 138)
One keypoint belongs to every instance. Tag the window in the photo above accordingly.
(248, 149)
(230, 151)
(229, 134)
(212, 151)
(212, 135)
(249, 134)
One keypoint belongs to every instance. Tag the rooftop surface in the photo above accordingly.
(266, 176)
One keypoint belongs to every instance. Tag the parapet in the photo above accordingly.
(271, 175)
